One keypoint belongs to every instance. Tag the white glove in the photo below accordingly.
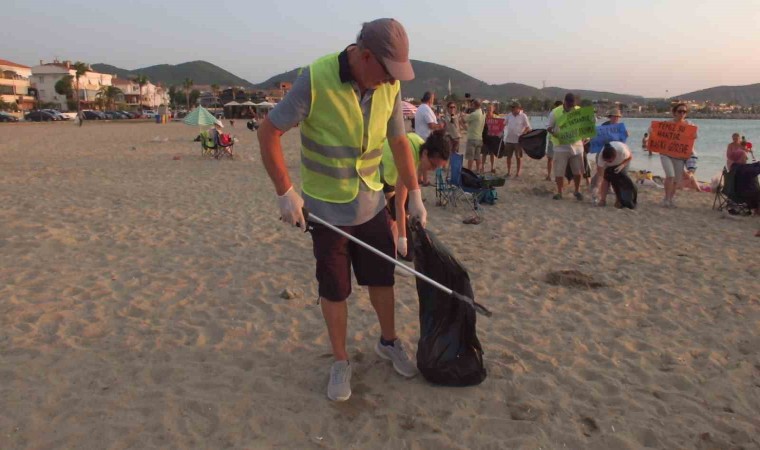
(401, 247)
(291, 208)
(416, 207)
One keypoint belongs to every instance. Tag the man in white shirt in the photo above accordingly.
(615, 156)
(517, 124)
(566, 154)
(425, 121)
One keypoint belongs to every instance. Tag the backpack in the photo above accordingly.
(448, 352)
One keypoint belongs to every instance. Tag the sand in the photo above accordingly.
(140, 308)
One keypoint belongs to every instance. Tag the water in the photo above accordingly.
(714, 137)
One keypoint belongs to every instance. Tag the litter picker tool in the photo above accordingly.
(479, 308)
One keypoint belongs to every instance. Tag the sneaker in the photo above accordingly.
(665, 203)
(397, 354)
(672, 204)
(339, 388)
(578, 196)
(557, 197)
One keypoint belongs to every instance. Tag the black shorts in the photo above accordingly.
(336, 255)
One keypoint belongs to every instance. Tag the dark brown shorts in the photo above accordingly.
(336, 255)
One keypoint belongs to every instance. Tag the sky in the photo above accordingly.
(655, 48)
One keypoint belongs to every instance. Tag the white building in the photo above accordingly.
(14, 84)
(153, 96)
(45, 76)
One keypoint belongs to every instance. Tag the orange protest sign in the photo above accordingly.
(672, 139)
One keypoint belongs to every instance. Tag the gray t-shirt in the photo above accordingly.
(294, 108)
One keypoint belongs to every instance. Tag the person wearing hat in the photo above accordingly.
(517, 124)
(348, 104)
(216, 133)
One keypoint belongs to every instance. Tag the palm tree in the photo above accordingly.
(109, 94)
(187, 84)
(215, 91)
(80, 69)
(141, 80)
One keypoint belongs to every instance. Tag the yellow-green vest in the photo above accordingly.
(333, 159)
(559, 111)
(389, 170)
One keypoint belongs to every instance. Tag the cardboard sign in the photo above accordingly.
(576, 125)
(496, 125)
(606, 134)
(672, 139)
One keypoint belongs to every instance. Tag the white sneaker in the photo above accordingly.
(397, 354)
(339, 387)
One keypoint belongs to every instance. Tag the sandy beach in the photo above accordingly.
(140, 308)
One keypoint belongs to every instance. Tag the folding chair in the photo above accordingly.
(461, 194)
(726, 197)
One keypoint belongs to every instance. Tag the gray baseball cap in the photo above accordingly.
(387, 39)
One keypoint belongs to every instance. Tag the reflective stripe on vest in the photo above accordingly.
(389, 170)
(332, 158)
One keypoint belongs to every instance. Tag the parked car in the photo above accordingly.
(149, 113)
(40, 116)
(56, 113)
(5, 117)
(128, 114)
(93, 115)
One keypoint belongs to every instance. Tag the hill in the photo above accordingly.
(744, 95)
(435, 77)
(201, 72)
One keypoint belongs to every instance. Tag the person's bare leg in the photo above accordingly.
(509, 165)
(336, 318)
(383, 300)
(469, 164)
(577, 182)
(519, 166)
(549, 162)
(493, 159)
(560, 184)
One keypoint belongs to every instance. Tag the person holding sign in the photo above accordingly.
(674, 141)
(492, 130)
(565, 153)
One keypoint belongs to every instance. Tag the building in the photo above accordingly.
(46, 75)
(278, 91)
(15, 85)
(152, 96)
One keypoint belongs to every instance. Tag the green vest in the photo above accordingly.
(390, 173)
(333, 159)
(559, 111)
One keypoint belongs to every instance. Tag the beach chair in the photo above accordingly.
(461, 194)
(726, 197)
(444, 192)
(208, 146)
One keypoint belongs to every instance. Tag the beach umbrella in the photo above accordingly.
(232, 103)
(200, 117)
(248, 103)
(408, 108)
(264, 105)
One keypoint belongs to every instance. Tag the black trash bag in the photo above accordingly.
(448, 352)
(470, 179)
(625, 189)
(533, 143)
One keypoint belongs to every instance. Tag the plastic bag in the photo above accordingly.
(533, 143)
(448, 352)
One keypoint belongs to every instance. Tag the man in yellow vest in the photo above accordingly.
(566, 154)
(348, 103)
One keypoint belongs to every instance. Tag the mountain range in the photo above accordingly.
(429, 77)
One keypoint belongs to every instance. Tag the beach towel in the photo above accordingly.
(448, 352)
(533, 143)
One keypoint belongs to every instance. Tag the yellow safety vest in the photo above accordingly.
(389, 170)
(559, 111)
(333, 159)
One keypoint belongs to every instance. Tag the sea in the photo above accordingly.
(714, 137)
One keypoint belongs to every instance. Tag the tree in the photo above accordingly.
(141, 80)
(215, 91)
(109, 95)
(63, 86)
(187, 84)
(194, 96)
(80, 69)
